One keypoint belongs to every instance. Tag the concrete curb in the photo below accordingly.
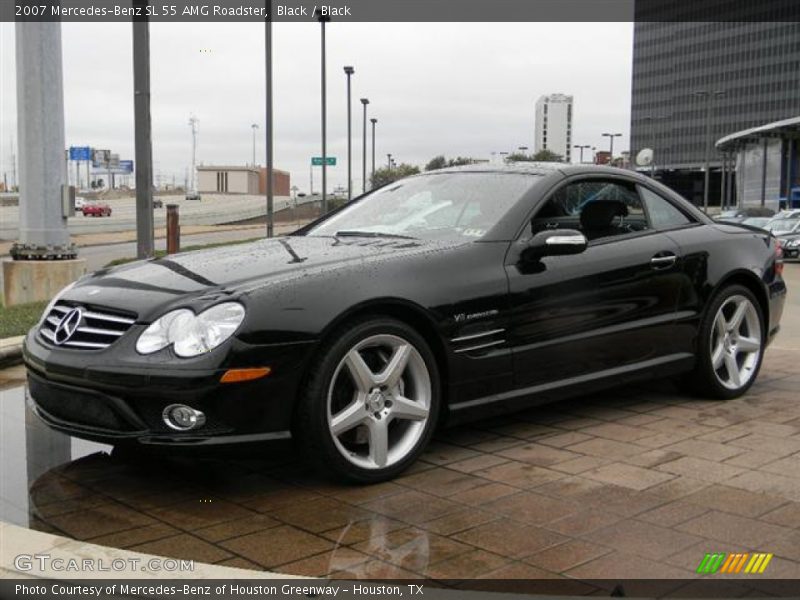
(11, 351)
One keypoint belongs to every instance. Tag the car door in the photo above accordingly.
(611, 306)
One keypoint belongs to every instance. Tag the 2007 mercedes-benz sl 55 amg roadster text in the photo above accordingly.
(444, 296)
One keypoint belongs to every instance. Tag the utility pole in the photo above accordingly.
(39, 265)
(142, 134)
(42, 173)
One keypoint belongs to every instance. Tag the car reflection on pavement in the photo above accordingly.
(563, 490)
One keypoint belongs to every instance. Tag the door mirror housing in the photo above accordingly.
(554, 242)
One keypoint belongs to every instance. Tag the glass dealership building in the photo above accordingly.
(695, 82)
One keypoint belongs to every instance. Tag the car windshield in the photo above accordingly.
(444, 206)
(756, 221)
(783, 224)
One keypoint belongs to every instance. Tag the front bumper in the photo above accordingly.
(95, 395)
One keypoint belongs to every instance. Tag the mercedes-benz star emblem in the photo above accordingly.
(67, 326)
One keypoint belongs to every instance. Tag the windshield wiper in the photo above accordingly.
(356, 233)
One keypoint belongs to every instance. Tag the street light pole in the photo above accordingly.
(364, 102)
(709, 96)
(322, 20)
(254, 126)
(349, 71)
(389, 161)
(372, 178)
(581, 148)
(193, 121)
(611, 137)
(268, 127)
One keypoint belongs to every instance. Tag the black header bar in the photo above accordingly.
(377, 11)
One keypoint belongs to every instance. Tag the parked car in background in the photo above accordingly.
(790, 244)
(740, 214)
(788, 213)
(80, 202)
(193, 196)
(782, 226)
(359, 333)
(760, 222)
(96, 209)
(788, 233)
(158, 203)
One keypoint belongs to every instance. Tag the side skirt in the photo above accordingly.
(523, 398)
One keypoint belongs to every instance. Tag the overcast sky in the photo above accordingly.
(455, 89)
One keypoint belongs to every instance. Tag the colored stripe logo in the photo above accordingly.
(733, 563)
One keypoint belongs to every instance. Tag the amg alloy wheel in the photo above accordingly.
(379, 401)
(730, 344)
(372, 401)
(736, 342)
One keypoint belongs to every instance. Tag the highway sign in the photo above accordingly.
(126, 166)
(100, 157)
(316, 161)
(80, 153)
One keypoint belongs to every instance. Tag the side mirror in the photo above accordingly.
(554, 242)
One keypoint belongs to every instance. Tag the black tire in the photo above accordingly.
(704, 379)
(311, 423)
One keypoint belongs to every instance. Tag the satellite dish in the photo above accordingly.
(645, 157)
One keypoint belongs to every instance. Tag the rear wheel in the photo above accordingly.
(371, 402)
(731, 344)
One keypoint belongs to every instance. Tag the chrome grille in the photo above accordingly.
(96, 329)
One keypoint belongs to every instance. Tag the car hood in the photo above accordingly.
(206, 276)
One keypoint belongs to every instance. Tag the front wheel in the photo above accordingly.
(371, 402)
(731, 344)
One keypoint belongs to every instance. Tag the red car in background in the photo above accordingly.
(96, 210)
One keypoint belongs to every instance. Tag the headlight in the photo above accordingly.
(190, 334)
(793, 243)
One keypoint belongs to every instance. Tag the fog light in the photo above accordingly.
(183, 418)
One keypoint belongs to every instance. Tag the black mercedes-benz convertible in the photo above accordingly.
(440, 297)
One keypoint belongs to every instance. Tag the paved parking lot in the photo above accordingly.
(636, 482)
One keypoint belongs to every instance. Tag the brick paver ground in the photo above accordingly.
(635, 482)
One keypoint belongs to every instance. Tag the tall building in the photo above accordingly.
(696, 81)
(553, 128)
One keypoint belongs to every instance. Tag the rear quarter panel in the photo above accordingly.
(713, 255)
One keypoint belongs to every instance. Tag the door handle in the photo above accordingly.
(663, 260)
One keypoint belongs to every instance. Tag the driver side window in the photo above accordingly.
(598, 208)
